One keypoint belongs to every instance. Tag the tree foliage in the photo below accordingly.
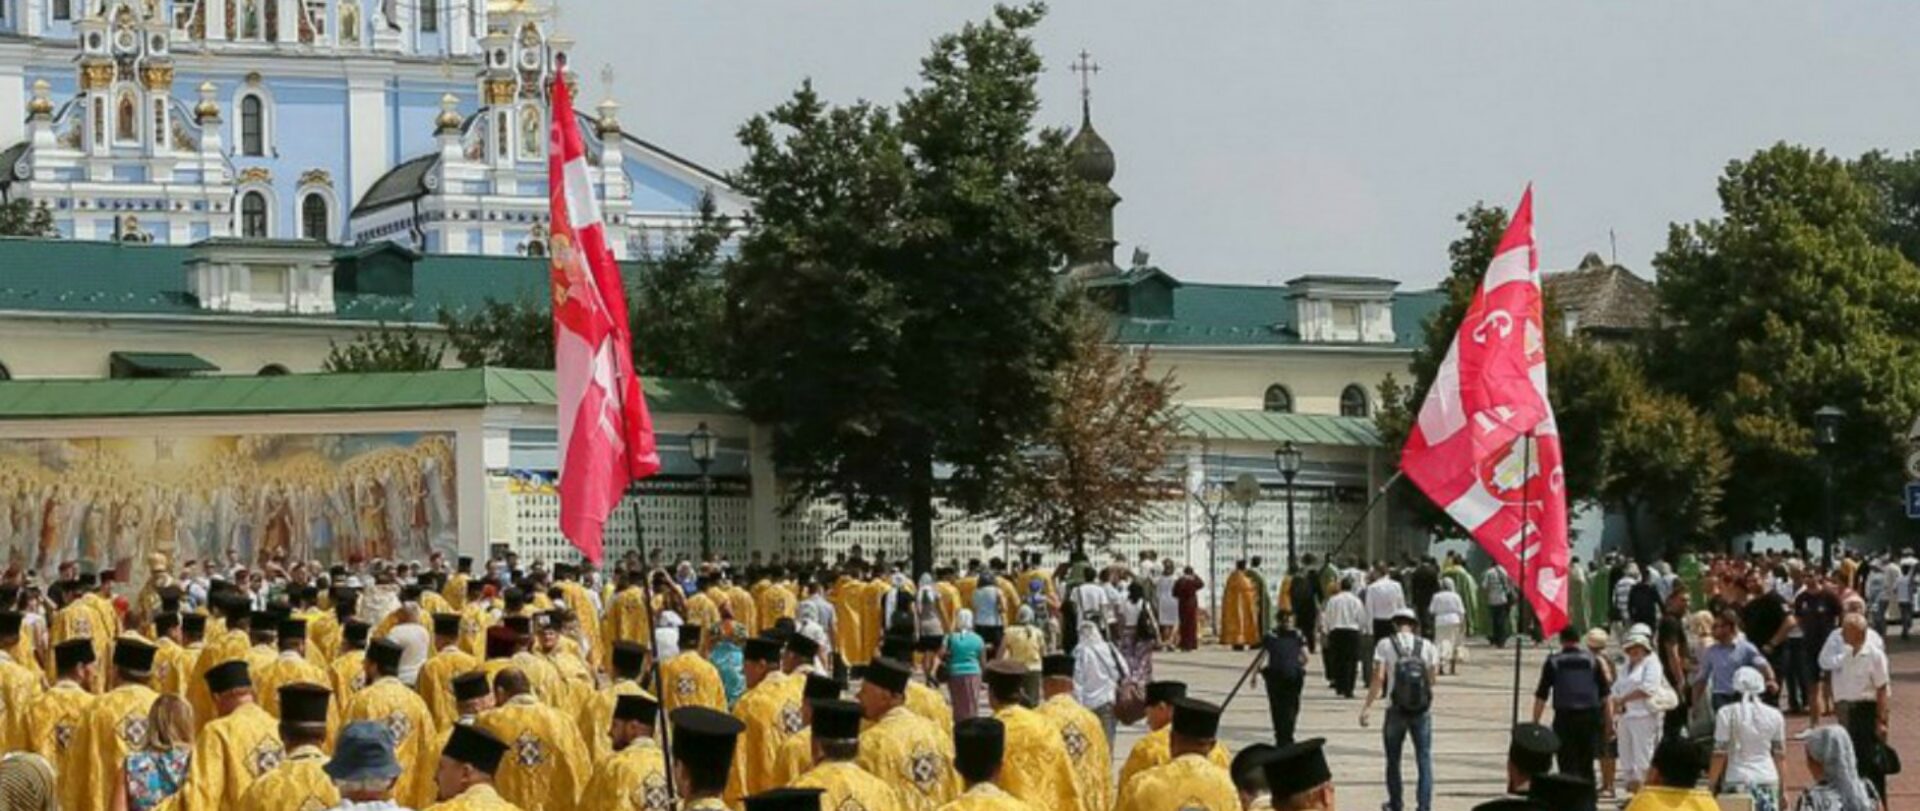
(1099, 468)
(1786, 303)
(23, 218)
(510, 334)
(894, 303)
(386, 350)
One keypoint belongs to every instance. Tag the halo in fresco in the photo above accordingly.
(250, 498)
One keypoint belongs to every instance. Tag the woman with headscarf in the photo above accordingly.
(727, 655)
(27, 783)
(1837, 783)
(932, 630)
(1097, 672)
(1186, 591)
(1026, 642)
(1449, 626)
(807, 623)
(1749, 745)
(1637, 721)
(1139, 632)
(964, 655)
(1167, 606)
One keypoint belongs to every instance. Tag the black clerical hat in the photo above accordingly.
(689, 638)
(629, 657)
(821, 688)
(1561, 791)
(1195, 719)
(1057, 665)
(194, 623)
(165, 622)
(475, 747)
(302, 703)
(1163, 692)
(73, 653)
(1297, 767)
(1005, 675)
(1511, 804)
(836, 720)
(785, 799)
(356, 632)
(228, 676)
(518, 623)
(890, 675)
(133, 656)
(896, 646)
(291, 628)
(470, 685)
(978, 746)
(704, 736)
(803, 646)
(1247, 767)
(636, 707)
(10, 623)
(1532, 747)
(385, 653)
(446, 624)
(762, 649)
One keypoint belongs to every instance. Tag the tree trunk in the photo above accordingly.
(920, 514)
(1630, 512)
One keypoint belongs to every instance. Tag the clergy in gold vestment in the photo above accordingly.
(848, 621)
(290, 666)
(435, 681)
(1080, 730)
(979, 745)
(796, 755)
(703, 606)
(703, 744)
(760, 710)
(177, 651)
(921, 700)
(112, 726)
(550, 765)
(455, 591)
(836, 748)
(1240, 609)
(595, 718)
(1038, 768)
(53, 723)
(774, 602)
(1152, 749)
(908, 752)
(741, 605)
(688, 679)
(78, 620)
(464, 778)
(628, 616)
(19, 687)
(950, 600)
(299, 783)
(634, 777)
(348, 672)
(475, 618)
(222, 646)
(233, 750)
(387, 701)
(1190, 782)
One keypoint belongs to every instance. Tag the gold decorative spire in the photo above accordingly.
(449, 119)
(42, 104)
(208, 109)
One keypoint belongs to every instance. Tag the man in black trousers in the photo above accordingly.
(1284, 670)
(1577, 685)
(1344, 617)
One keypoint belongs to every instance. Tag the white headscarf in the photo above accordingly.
(1090, 638)
(1831, 746)
(963, 620)
(1749, 684)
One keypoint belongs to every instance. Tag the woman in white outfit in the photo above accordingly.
(1637, 727)
(1167, 606)
(1449, 626)
(1749, 745)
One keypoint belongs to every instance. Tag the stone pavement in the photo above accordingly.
(1471, 719)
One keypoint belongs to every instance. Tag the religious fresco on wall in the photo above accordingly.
(245, 498)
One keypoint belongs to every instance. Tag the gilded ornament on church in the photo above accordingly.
(256, 174)
(499, 91)
(158, 77)
(95, 75)
(253, 79)
(316, 177)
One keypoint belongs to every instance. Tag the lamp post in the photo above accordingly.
(1826, 437)
(1287, 459)
(703, 445)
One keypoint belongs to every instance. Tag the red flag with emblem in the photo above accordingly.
(1485, 447)
(606, 435)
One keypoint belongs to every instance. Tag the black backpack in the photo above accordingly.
(1412, 691)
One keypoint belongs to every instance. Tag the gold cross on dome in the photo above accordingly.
(1087, 68)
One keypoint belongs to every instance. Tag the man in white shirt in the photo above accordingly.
(415, 641)
(1498, 590)
(1403, 722)
(1385, 598)
(1344, 619)
(1862, 694)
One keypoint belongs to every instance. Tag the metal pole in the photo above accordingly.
(706, 515)
(659, 688)
(1293, 562)
(1520, 612)
(1246, 527)
(1833, 524)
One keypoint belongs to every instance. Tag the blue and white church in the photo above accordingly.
(416, 122)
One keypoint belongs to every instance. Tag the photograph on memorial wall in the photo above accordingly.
(239, 499)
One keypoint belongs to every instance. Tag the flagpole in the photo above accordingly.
(1520, 611)
(653, 645)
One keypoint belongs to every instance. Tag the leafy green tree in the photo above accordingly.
(894, 304)
(1664, 463)
(22, 218)
(386, 350)
(509, 334)
(1097, 470)
(1786, 303)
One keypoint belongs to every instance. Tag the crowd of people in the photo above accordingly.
(849, 685)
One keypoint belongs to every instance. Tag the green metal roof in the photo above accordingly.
(1267, 426)
(162, 362)
(324, 393)
(1255, 315)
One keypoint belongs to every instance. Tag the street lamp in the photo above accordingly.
(703, 445)
(1287, 459)
(1826, 437)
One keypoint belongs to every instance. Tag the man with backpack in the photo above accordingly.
(1407, 666)
(1576, 683)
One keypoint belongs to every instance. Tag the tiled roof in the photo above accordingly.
(323, 393)
(1254, 315)
(1605, 297)
(400, 184)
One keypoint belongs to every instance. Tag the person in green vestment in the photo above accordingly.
(1694, 576)
(1455, 572)
(1266, 595)
(1600, 593)
(1577, 595)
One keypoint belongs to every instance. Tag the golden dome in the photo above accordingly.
(42, 103)
(208, 108)
(449, 119)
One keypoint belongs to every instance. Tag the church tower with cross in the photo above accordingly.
(1092, 161)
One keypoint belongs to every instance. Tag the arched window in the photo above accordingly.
(253, 215)
(313, 218)
(1278, 400)
(1353, 402)
(63, 9)
(253, 126)
(272, 370)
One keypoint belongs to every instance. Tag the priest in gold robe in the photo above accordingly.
(760, 708)
(796, 755)
(79, 620)
(836, 770)
(1154, 748)
(110, 728)
(347, 673)
(289, 666)
(178, 649)
(464, 779)
(387, 701)
(704, 740)
(628, 661)
(223, 646)
(1080, 730)
(234, 750)
(1190, 781)
(908, 752)
(550, 766)
(634, 777)
(1240, 609)
(300, 781)
(53, 722)
(19, 687)
(979, 746)
(1039, 770)
(688, 679)
(435, 681)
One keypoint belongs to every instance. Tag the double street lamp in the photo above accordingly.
(1826, 437)
(1287, 459)
(703, 446)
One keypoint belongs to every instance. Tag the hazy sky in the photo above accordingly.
(1262, 139)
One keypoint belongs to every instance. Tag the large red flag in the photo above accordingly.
(606, 434)
(1485, 446)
